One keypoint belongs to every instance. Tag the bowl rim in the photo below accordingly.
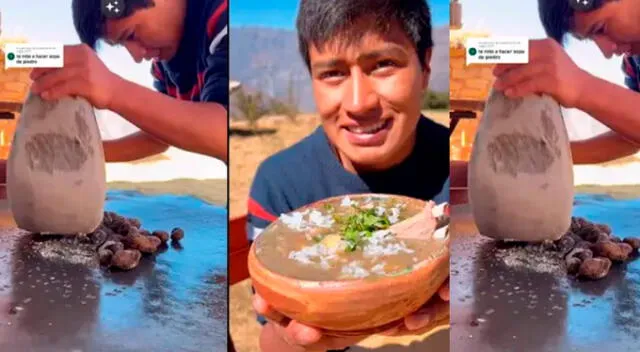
(364, 284)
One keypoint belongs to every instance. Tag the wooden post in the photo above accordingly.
(455, 14)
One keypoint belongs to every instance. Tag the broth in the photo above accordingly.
(345, 239)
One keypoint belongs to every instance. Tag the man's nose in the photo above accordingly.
(136, 52)
(360, 95)
(606, 46)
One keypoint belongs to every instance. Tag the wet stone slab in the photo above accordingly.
(174, 300)
(518, 301)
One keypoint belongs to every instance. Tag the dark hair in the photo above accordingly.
(320, 21)
(556, 17)
(90, 22)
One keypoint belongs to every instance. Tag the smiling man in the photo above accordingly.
(188, 45)
(369, 62)
(613, 26)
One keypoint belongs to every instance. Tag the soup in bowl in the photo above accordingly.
(337, 264)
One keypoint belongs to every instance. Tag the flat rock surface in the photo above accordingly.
(173, 301)
(523, 304)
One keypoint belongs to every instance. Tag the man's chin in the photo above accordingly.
(368, 158)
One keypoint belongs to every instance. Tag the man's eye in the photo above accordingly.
(330, 74)
(131, 36)
(385, 64)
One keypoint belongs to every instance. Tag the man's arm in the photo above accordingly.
(602, 148)
(616, 107)
(551, 71)
(196, 127)
(135, 146)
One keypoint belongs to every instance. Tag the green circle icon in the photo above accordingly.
(473, 51)
(11, 56)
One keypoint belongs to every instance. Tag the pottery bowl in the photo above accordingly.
(357, 306)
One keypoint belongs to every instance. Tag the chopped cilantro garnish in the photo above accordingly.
(361, 225)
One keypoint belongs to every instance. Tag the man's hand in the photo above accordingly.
(291, 335)
(426, 318)
(299, 337)
(550, 71)
(83, 75)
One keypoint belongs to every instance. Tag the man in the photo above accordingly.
(613, 26)
(187, 42)
(368, 76)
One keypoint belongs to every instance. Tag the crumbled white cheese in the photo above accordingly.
(354, 270)
(317, 253)
(347, 202)
(318, 219)
(395, 214)
(297, 221)
(381, 243)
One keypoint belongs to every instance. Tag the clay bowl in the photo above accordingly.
(351, 307)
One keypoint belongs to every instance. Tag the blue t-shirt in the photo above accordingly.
(310, 171)
(199, 70)
(631, 68)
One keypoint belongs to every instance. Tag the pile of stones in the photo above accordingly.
(120, 242)
(589, 249)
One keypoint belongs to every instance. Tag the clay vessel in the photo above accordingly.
(521, 170)
(56, 169)
(353, 307)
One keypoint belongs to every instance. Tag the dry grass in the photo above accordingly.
(247, 151)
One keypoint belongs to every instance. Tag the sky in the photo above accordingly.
(282, 13)
(520, 18)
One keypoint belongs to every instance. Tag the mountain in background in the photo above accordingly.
(267, 60)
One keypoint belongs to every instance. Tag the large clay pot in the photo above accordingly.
(354, 307)
(56, 169)
(521, 170)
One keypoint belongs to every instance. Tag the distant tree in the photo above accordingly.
(435, 100)
(251, 105)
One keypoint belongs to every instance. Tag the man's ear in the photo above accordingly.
(426, 68)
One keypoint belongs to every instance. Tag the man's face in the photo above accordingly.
(150, 33)
(369, 96)
(615, 27)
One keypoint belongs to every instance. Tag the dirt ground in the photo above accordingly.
(210, 191)
(247, 150)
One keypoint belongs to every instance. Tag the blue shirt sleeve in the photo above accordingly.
(216, 74)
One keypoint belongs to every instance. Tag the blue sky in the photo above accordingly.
(520, 18)
(282, 13)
